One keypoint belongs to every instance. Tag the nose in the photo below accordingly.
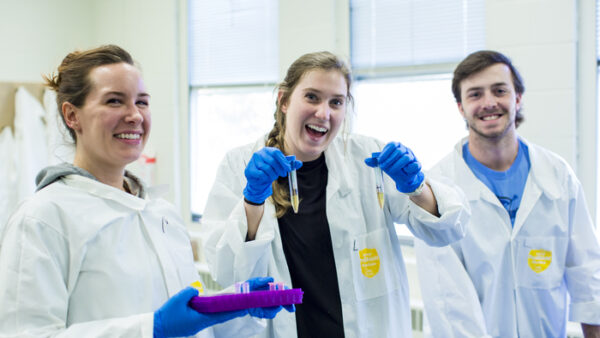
(134, 115)
(323, 111)
(489, 101)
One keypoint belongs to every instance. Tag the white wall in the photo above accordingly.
(36, 35)
(542, 37)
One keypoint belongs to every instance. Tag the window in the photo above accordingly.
(233, 68)
(403, 54)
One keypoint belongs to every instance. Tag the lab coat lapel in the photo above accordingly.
(539, 181)
(154, 231)
(157, 234)
(337, 179)
(473, 188)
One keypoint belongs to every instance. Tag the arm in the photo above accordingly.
(33, 292)
(236, 235)
(426, 200)
(582, 266)
(450, 298)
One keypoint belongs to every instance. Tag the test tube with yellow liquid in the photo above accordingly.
(379, 181)
(293, 182)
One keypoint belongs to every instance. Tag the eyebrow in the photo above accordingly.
(309, 89)
(497, 84)
(123, 95)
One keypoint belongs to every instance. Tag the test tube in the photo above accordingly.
(293, 182)
(379, 182)
(242, 287)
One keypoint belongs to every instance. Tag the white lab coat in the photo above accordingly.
(9, 174)
(30, 137)
(486, 284)
(83, 259)
(372, 307)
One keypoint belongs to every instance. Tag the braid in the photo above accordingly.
(308, 62)
(280, 197)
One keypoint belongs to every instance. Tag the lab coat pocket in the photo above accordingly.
(373, 265)
(540, 262)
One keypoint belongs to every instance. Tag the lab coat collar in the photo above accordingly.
(540, 174)
(105, 191)
(338, 178)
(473, 188)
(335, 158)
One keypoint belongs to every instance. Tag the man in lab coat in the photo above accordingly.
(530, 259)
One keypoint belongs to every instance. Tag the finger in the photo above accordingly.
(412, 168)
(371, 162)
(390, 160)
(275, 159)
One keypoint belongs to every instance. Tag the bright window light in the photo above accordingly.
(221, 120)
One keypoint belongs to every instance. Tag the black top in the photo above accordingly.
(309, 254)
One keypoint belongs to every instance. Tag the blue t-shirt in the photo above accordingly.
(507, 185)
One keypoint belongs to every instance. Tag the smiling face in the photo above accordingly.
(113, 124)
(489, 103)
(314, 113)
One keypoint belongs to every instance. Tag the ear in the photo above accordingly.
(71, 116)
(282, 105)
(518, 102)
(460, 109)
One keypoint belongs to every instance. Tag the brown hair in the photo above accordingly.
(72, 83)
(477, 62)
(312, 61)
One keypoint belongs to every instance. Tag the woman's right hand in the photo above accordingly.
(176, 318)
(265, 166)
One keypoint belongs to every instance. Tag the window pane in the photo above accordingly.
(420, 112)
(391, 33)
(233, 42)
(222, 120)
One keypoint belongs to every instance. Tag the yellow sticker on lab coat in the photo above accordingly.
(369, 262)
(539, 260)
(198, 286)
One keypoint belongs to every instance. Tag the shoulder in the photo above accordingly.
(45, 208)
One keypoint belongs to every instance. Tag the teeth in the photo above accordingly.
(129, 136)
(491, 117)
(317, 128)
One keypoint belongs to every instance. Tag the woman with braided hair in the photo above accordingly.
(340, 247)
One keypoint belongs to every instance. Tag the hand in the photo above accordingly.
(265, 166)
(401, 165)
(262, 283)
(176, 319)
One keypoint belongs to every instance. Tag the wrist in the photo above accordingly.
(157, 326)
(253, 203)
(418, 190)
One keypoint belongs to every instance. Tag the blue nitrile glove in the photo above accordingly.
(176, 318)
(400, 164)
(265, 166)
(262, 283)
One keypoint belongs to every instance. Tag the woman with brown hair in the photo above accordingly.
(96, 253)
(340, 247)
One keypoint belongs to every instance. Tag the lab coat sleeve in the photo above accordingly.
(224, 227)
(451, 303)
(454, 211)
(582, 266)
(34, 267)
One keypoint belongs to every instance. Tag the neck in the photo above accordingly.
(106, 174)
(496, 154)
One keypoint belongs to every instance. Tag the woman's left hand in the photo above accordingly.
(399, 163)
